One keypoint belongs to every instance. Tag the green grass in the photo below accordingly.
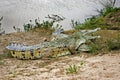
(95, 48)
(105, 11)
(113, 44)
(91, 23)
(110, 40)
(97, 21)
(72, 69)
(46, 24)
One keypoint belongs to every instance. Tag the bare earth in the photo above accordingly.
(105, 67)
(99, 67)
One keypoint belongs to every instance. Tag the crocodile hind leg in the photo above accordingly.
(13, 53)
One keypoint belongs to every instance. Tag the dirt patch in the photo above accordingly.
(94, 68)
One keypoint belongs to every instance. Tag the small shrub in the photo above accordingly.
(104, 12)
(74, 23)
(92, 23)
(98, 20)
(108, 7)
(17, 29)
(95, 22)
(113, 44)
(48, 24)
(95, 48)
(72, 69)
(27, 27)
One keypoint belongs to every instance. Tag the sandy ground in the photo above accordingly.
(99, 67)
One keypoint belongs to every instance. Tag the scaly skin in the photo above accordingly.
(61, 46)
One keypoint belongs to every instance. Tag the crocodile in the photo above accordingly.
(61, 45)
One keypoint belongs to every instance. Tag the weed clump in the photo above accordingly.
(99, 20)
(72, 69)
(113, 45)
(48, 24)
(95, 48)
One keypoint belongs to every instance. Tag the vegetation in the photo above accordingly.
(51, 23)
(72, 69)
(81, 63)
(45, 24)
(108, 7)
(109, 41)
(113, 44)
(99, 20)
(95, 48)
(48, 24)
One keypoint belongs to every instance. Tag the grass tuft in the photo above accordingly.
(45, 24)
(113, 45)
(99, 20)
(72, 69)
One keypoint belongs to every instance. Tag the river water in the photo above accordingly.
(18, 12)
